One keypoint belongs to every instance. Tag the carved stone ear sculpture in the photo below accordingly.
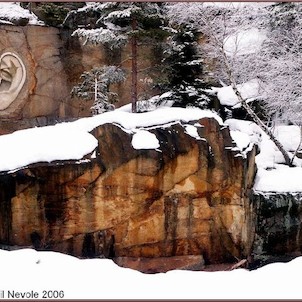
(12, 78)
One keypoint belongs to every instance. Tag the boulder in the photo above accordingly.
(191, 198)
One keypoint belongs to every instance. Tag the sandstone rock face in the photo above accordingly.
(189, 198)
(54, 61)
(78, 58)
(45, 90)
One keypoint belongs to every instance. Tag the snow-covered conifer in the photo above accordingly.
(120, 21)
(183, 68)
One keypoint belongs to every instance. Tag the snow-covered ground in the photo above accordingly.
(272, 174)
(55, 274)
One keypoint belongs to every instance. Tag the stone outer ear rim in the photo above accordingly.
(8, 97)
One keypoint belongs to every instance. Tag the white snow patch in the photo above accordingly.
(247, 127)
(272, 175)
(280, 179)
(5, 22)
(93, 155)
(245, 134)
(13, 10)
(24, 268)
(126, 13)
(44, 144)
(249, 91)
(244, 42)
(241, 139)
(192, 131)
(143, 139)
(289, 136)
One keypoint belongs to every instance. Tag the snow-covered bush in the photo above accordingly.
(95, 86)
(279, 63)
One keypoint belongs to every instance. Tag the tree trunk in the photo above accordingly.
(95, 90)
(245, 105)
(298, 148)
(134, 67)
(258, 121)
(252, 114)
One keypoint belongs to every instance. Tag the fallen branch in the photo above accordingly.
(238, 264)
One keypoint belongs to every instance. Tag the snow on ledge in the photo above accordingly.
(249, 91)
(272, 175)
(72, 141)
(13, 11)
(143, 139)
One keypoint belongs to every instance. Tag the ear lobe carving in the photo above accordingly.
(12, 78)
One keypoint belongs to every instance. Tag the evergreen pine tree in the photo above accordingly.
(121, 21)
(183, 68)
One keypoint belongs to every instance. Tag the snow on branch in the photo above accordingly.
(101, 36)
(95, 86)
